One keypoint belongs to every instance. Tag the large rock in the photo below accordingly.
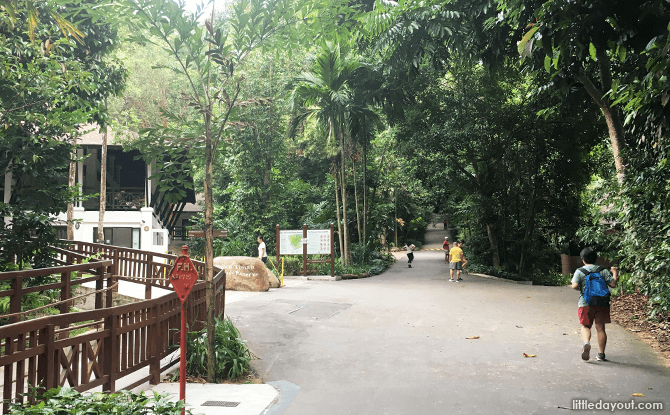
(246, 274)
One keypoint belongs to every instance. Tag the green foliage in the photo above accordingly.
(626, 285)
(54, 77)
(509, 180)
(493, 271)
(63, 401)
(28, 237)
(232, 355)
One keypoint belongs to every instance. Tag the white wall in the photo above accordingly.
(142, 219)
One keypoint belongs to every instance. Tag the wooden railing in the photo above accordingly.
(20, 278)
(143, 267)
(122, 340)
(119, 198)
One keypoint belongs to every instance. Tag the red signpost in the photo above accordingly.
(183, 277)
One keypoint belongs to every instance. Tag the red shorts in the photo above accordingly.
(595, 313)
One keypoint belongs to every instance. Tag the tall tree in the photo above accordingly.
(209, 58)
(325, 94)
(591, 43)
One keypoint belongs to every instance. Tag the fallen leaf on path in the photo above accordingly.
(473, 337)
(639, 395)
(529, 355)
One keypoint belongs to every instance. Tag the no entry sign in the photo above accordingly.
(183, 275)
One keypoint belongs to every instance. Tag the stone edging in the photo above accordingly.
(502, 279)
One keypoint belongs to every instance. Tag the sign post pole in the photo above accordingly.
(183, 276)
(278, 243)
(304, 250)
(332, 250)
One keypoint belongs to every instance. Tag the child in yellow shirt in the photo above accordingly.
(456, 259)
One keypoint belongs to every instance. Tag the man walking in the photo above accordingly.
(456, 258)
(595, 308)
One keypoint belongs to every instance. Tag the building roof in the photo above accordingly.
(92, 136)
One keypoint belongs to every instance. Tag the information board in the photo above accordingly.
(318, 242)
(290, 242)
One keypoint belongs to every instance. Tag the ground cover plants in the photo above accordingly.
(66, 401)
(232, 354)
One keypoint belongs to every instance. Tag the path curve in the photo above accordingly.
(398, 343)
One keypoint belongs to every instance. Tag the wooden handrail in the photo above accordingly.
(29, 273)
(40, 353)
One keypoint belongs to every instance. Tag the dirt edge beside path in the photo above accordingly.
(630, 311)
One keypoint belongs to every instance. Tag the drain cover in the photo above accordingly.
(221, 403)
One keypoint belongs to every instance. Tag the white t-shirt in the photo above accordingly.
(262, 252)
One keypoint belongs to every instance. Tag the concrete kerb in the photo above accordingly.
(216, 399)
(501, 279)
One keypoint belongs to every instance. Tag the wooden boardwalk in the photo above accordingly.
(121, 341)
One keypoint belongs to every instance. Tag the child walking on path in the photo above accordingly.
(595, 309)
(410, 254)
(456, 258)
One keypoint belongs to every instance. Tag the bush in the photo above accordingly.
(553, 279)
(69, 401)
(232, 355)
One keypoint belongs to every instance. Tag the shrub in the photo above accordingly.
(69, 401)
(232, 355)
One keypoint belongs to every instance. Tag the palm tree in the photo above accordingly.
(325, 95)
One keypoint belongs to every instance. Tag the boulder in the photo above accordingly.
(246, 274)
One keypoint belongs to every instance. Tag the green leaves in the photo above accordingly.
(232, 355)
(69, 401)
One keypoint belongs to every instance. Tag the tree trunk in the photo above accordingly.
(71, 181)
(103, 188)
(614, 124)
(487, 215)
(530, 215)
(358, 215)
(339, 220)
(365, 190)
(210, 296)
(493, 240)
(345, 251)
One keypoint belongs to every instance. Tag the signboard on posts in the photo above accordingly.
(291, 241)
(308, 242)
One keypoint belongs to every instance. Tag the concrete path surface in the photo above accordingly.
(398, 343)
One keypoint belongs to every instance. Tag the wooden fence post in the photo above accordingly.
(147, 277)
(42, 368)
(98, 287)
(9, 373)
(64, 296)
(111, 353)
(155, 347)
(51, 371)
(15, 302)
(111, 278)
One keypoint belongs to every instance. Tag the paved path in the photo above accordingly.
(397, 344)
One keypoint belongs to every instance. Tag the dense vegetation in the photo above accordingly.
(534, 128)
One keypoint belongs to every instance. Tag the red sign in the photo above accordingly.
(183, 276)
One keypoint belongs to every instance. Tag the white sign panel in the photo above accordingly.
(290, 242)
(318, 242)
